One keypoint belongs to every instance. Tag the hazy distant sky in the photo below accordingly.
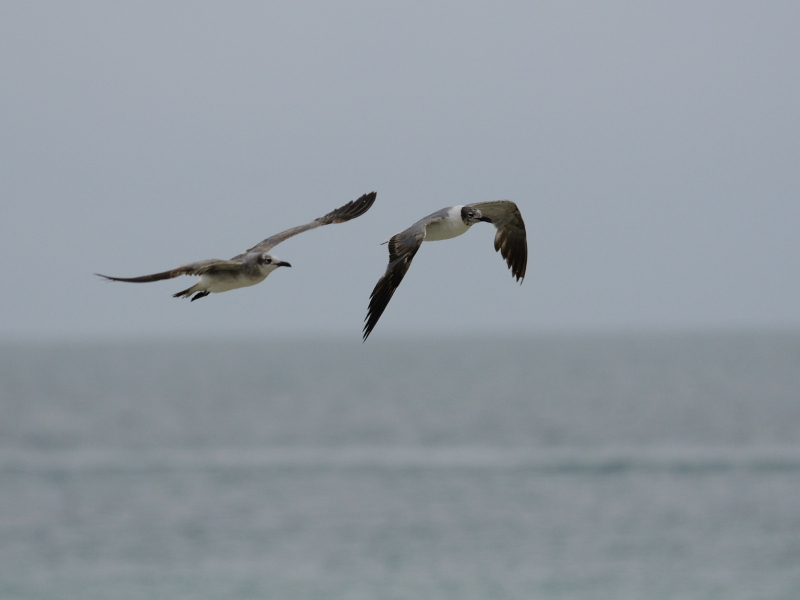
(652, 147)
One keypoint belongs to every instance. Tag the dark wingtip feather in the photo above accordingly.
(144, 278)
(378, 301)
(351, 210)
(110, 278)
(516, 258)
(384, 290)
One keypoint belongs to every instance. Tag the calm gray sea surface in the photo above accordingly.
(577, 467)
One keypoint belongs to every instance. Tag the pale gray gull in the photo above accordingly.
(253, 265)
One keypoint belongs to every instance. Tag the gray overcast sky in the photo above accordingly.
(653, 148)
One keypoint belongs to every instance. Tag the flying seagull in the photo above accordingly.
(442, 225)
(252, 266)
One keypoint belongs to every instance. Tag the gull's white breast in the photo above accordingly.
(449, 227)
(223, 282)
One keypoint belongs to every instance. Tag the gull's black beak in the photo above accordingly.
(283, 263)
(485, 219)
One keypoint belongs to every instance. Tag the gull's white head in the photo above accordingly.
(269, 262)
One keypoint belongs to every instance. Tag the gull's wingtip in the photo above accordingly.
(351, 210)
(363, 204)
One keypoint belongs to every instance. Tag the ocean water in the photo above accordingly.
(573, 467)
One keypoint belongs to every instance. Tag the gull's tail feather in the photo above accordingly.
(191, 290)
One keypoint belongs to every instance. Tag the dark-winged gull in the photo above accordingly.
(444, 224)
(253, 265)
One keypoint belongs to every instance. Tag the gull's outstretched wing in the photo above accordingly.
(195, 268)
(510, 238)
(402, 248)
(351, 210)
